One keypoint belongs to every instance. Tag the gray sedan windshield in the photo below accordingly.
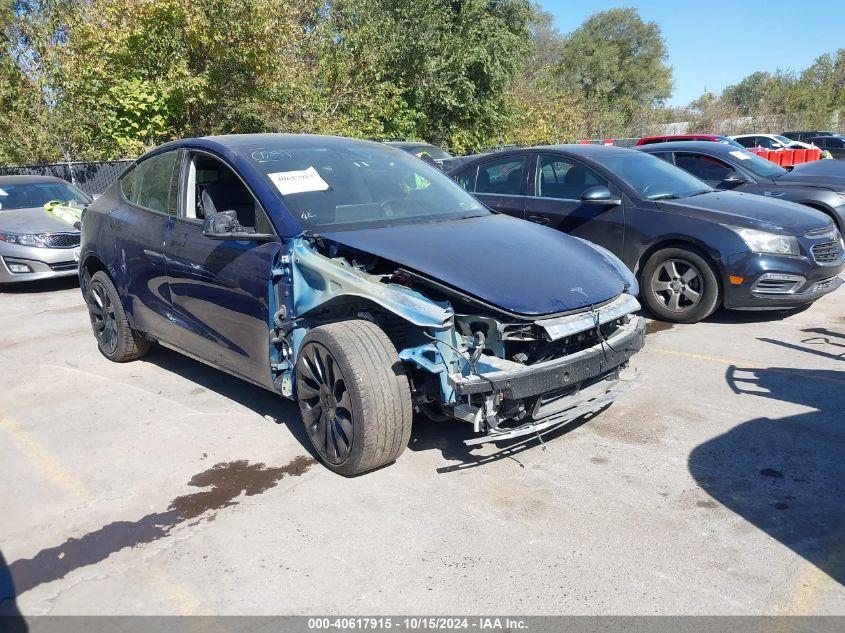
(349, 185)
(25, 195)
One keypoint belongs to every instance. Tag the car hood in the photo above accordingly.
(33, 220)
(512, 264)
(749, 211)
(824, 173)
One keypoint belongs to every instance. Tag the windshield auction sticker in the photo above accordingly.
(3, 193)
(740, 155)
(302, 181)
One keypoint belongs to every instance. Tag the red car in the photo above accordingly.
(666, 138)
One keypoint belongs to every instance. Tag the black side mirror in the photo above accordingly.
(600, 195)
(224, 225)
(733, 179)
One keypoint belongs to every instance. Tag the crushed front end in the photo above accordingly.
(510, 379)
(508, 375)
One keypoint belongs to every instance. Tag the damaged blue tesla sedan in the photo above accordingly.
(360, 281)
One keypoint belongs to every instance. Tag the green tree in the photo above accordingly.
(616, 62)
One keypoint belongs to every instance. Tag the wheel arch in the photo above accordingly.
(689, 244)
(818, 206)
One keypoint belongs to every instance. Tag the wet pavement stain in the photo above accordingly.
(653, 327)
(223, 484)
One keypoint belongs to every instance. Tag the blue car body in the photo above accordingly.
(245, 305)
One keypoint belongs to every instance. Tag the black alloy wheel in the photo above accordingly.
(101, 310)
(325, 403)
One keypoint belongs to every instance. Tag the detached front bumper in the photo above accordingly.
(559, 390)
(534, 380)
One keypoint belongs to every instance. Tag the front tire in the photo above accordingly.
(679, 285)
(354, 396)
(116, 340)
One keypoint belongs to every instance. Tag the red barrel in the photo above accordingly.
(762, 153)
(814, 154)
(788, 158)
(800, 156)
(775, 157)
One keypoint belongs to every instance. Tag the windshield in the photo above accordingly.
(756, 165)
(783, 139)
(341, 184)
(652, 177)
(26, 195)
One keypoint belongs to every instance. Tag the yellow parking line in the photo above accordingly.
(50, 467)
(744, 364)
(46, 464)
(812, 582)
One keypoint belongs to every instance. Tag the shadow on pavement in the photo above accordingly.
(785, 476)
(45, 285)
(261, 401)
(733, 317)
(11, 620)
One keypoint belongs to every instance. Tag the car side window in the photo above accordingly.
(154, 183)
(502, 176)
(212, 187)
(467, 179)
(704, 167)
(834, 143)
(747, 141)
(563, 178)
(127, 185)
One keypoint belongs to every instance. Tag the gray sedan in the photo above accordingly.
(34, 245)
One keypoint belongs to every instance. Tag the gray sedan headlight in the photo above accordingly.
(22, 239)
(773, 243)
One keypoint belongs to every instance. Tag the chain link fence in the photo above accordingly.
(92, 178)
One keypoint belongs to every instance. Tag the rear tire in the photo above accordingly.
(116, 340)
(679, 285)
(354, 396)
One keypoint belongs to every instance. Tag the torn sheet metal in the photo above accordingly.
(318, 279)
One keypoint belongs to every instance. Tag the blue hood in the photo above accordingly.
(515, 265)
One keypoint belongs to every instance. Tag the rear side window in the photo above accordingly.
(747, 141)
(834, 143)
(154, 183)
(503, 176)
(704, 167)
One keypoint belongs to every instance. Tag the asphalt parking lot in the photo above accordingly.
(167, 487)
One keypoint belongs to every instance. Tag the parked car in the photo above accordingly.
(34, 245)
(359, 280)
(835, 144)
(804, 136)
(716, 138)
(692, 248)
(438, 155)
(819, 184)
(770, 141)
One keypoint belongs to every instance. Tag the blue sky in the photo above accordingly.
(715, 43)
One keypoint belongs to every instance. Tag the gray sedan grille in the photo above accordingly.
(60, 240)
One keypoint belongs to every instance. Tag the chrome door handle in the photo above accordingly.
(539, 219)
